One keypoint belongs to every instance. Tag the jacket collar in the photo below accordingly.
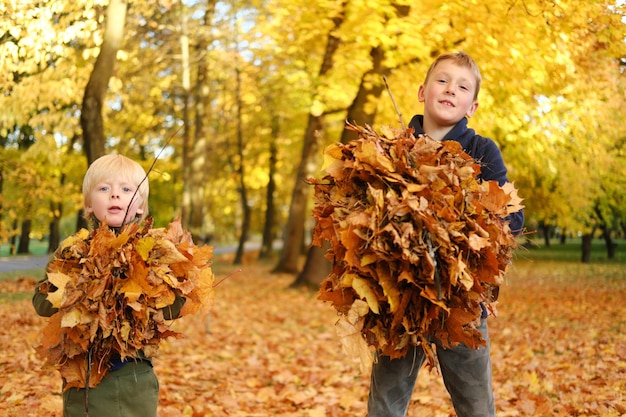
(460, 132)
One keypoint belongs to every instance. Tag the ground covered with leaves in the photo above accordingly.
(558, 349)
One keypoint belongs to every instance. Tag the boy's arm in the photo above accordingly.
(173, 311)
(493, 169)
(43, 307)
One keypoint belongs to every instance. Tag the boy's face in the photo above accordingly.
(109, 201)
(448, 95)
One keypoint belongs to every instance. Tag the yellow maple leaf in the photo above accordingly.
(477, 242)
(332, 163)
(363, 289)
(165, 299)
(131, 290)
(390, 287)
(82, 234)
(144, 246)
(165, 252)
(370, 154)
(515, 202)
(74, 317)
(59, 280)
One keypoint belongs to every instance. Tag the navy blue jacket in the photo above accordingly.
(484, 151)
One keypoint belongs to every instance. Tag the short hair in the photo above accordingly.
(101, 169)
(461, 59)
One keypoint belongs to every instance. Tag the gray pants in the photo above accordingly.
(466, 374)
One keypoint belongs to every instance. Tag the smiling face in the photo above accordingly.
(449, 94)
(109, 201)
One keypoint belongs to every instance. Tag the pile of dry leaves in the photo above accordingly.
(111, 290)
(416, 241)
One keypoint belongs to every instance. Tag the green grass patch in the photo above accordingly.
(37, 273)
(35, 247)
(6, 298)
(571, 251)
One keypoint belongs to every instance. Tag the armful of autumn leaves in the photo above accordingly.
(417, 242)
(111, 291)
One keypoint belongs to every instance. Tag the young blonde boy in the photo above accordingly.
(450, 96)
(115, 192)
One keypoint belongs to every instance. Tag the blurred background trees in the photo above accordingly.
(240, 97)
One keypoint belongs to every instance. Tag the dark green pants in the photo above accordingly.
(131, 391)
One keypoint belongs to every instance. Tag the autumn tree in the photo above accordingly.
(552, 98)
(294, 233)
(369, 92)
(95, 91)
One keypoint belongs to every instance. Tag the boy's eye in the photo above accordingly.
(103, 188)
(128, 190)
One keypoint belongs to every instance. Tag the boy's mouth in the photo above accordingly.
(447, 103)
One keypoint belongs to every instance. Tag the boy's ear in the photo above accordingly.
(470, 112)
(420, 94)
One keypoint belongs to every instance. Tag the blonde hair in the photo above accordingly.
(461, 59)
(103, 167)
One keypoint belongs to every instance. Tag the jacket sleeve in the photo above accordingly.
(43, 307)
(492, 167)
(173, 311)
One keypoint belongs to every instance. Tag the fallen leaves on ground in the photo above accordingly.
(558, 349)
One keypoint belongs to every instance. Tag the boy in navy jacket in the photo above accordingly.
(449, 94)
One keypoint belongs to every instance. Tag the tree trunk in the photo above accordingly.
(267, 245)
(13, 238)
(608, 241)
(56, 209)
(24, 237)
(371, 88)
(294, 233)
(54, 234)
(2, 231)
(316, 268)
(186, 146)
(95, 91)
(241, 174)
(546, 230)
(586, 248)
(199, 150)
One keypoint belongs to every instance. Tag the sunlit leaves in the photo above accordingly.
(415, 235)
(565, 52)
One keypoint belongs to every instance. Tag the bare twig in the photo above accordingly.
(156, 158)
(394, 104)
(227, 276)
